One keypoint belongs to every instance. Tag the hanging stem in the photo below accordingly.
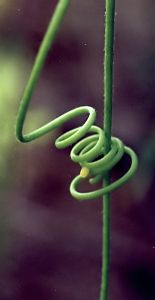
(108, 85)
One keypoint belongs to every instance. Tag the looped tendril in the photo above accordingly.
(88, 152)
(97, 168)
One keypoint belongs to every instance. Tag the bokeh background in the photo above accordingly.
(50, 245)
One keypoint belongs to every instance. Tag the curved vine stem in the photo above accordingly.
(45, 46)
(108, 86)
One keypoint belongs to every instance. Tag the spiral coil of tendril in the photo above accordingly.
(88, 150)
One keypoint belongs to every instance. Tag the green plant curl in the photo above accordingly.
(96, 152)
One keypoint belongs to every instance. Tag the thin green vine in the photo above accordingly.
(107, 99)
(98, 153)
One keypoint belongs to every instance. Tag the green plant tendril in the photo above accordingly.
(97, 153)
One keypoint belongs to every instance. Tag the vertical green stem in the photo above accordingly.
(108, 86)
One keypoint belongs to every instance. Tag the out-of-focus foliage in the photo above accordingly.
(4, 7)
(11, 81)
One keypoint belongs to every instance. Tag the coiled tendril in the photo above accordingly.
(88, 151)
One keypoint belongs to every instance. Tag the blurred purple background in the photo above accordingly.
(50, 245)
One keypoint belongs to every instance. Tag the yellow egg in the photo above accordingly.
(84, 172)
